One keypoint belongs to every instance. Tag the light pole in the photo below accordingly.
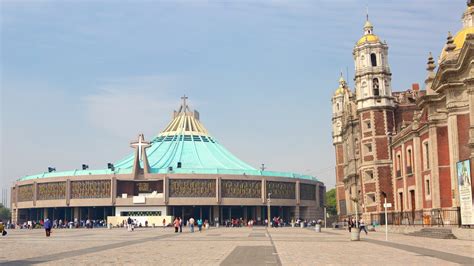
(385, 207)
(268, 208)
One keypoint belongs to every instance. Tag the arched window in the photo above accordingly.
(375, 86)
(373, 59)
(337, 106)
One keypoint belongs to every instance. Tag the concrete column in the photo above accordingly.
(298, 196)
(258, 210)
(165, 190)
(264, 191)
(404, 173)
(216, 213)
(68, 192)
(297, 212)
(76, 213)
(418, 153)
(218, 190)
(433, 147)
(113, 192)
(45, 213)
(35, 189)
(453, 141)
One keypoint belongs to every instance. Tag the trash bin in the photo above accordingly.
(109, 226)
(317, 228)
(355, 235)
(217, 225)
(301, 224)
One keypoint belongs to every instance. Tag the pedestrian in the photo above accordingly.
(47, 227)
(191, 224)
(3, 232)
(199, 222)
(180, 225)
(362, 226)
(176, 224)
(129, 224)
(164, 222)
(350, 224)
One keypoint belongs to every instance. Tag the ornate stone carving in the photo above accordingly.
(90, 189)
(281, 190)
(200, 188)
(241, 189)
(25, 193)
(51, 191)
(307, 192)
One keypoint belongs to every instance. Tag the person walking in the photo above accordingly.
(164, 222)
(176, 224)
(362, 226)
(191, 224)
(199, 222)
(180, 225)
(47, 227)
(350, 224)
(129, 224)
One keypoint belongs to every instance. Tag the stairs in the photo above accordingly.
(440, 233)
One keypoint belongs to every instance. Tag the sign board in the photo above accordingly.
(138, 199)
(387, 205)
(465, 192)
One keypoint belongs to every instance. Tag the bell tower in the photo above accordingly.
(372, 71)
(375, 105)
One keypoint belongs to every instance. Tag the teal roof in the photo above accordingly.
(184, 141)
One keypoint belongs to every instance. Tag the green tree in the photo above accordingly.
(5, 213)
(331, 202)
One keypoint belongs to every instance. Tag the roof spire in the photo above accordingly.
(368, 28)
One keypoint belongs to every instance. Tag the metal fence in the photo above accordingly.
(433, 217)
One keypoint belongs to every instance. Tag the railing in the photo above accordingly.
(433, 217)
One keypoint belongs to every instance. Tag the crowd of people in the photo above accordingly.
(178, 224)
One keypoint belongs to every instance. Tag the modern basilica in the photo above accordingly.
(182, 172)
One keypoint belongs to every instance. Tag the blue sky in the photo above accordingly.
(81, 79)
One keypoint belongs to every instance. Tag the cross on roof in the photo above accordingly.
(141, 144)
(184, 98)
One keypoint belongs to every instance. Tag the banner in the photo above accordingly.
(465, 192)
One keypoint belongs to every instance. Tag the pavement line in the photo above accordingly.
(274, 248)
(75, 253)
(425, 252)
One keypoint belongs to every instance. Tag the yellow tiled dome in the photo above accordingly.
(370, 38)
(459, 40)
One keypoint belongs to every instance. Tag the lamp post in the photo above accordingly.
(385, 207)
(268, 208)
(325, 215)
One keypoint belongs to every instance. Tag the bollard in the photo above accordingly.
(217, 225)
(301, 224)
(317, 228)
(355, 235)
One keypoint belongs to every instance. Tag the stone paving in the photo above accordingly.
(227, 246)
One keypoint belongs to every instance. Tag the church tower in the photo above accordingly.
(375, 105)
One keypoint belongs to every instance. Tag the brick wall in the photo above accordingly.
(443, 164)
(463, 137)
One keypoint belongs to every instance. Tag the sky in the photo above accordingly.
(81, 79)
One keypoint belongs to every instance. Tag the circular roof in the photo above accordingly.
(458, 40)
(369, 38)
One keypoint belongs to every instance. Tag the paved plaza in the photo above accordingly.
(227, 246)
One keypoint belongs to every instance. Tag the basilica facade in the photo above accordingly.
(404, 147)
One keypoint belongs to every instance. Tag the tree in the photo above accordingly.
(5, 213)
(331, 202)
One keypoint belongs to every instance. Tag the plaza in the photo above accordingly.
(227, 246)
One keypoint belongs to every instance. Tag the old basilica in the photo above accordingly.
(404, 146)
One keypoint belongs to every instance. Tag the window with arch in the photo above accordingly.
(426, 155)
(398, 164)
(376, 86)
(337, 107)
(373, 59)
(409, 161)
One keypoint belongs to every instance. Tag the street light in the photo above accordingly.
(268, 208)
(385, 206)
